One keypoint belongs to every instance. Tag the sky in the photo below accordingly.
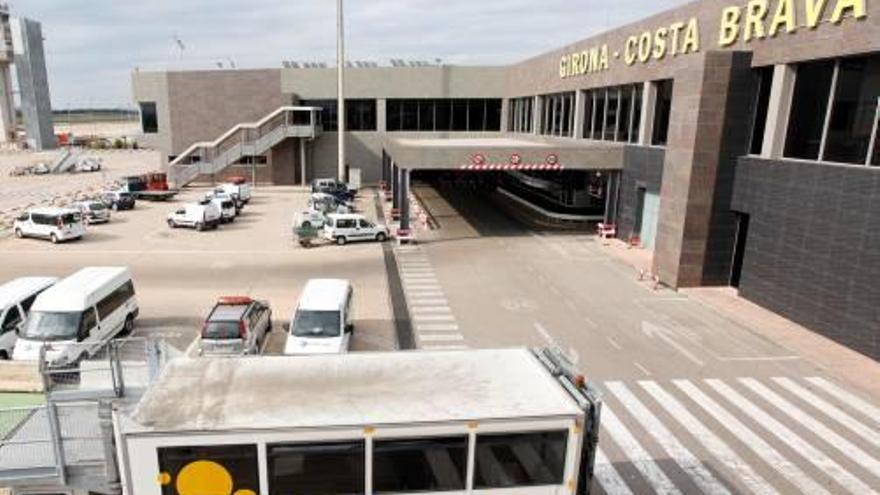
(93, 45)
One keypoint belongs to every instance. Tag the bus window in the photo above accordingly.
(336, 467)
(525, 459)
(230, 468)
(420, 464)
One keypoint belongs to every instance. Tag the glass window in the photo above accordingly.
(854, 110)
(27, 303)
(662, 112)
(316, 324)
(808, 109)
(328, 112)
(599, 117)
(301, 117)
(476, 115)
(149, 117)
(188, 463)
(459, 115)
(611, 113)
(48, 326)
(493, 115)
(588, 114)
(316, 469)
(526, 459)
(426, 115)
(624, 123)
(393, 113)
(875, 159)
(637, 114)
(410, 116)
(416, 465)
(11, 320)
(360, 115)
(443, 115)
(764, 77)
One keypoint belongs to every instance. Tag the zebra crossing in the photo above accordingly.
(741, 435)
(434, 323)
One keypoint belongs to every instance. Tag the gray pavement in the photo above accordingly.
(696, 401)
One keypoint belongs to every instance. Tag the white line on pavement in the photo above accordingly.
(444, 347)
(433, 318)
(686, 460)
(751, 440)
(790, 438)
(438, 327)
(431, 309)
(427, 301)
(830, 410)
(614, 344)
(642, 368)
(709, 440)
(847, 398)
(442, 337)
(637, 454)
(608, 477)
(846, 447)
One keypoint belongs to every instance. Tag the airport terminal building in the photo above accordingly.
(736, 139)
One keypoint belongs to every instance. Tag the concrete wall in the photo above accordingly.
(643, 167)
(813, 250)
(33, 83)
(153, 87)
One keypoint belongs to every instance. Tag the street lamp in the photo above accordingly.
(340, 86)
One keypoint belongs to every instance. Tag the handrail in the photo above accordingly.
(237, 128)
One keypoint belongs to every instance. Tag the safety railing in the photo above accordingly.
(244, 140)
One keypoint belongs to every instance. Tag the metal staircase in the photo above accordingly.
(244, 140)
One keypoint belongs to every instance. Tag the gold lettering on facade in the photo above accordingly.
(814, 10)
(756, 11)
(629, 51)
(857, 7)
(584, 62)
(691, 42)
(675, 28)
(644, 46)
(729, 26)
(784, 16)
(660, 43)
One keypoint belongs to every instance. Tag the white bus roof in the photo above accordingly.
(350, 390)
(72, 293)
(323, 294)
(52, 211)
(22, 287)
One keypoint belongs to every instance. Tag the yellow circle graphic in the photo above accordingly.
(163, 479)
(204, 478)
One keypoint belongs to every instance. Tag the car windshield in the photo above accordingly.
(124, 195)
(228, 204)
(316, 324)
(42, 325)
(221, 330)
(70, 218)
(97, 206)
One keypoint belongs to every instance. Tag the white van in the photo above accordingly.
(89, 307)
(199, 216)
(241, 191)
(16, 298)
(341, 228)
(322, 321)
(55, 224)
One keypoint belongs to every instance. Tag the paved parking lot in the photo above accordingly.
(179, 273)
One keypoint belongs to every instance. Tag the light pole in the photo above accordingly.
(340, 86)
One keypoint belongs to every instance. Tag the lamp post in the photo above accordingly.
(340, 86)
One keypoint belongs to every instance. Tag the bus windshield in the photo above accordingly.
(316, 324)
(42, 325)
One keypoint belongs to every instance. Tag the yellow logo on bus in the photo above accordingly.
(203, 478)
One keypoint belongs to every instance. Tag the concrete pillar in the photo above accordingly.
(7, 105)
(302, 162)
(33, 83)
(537, 112)
(505, 115)
(649, 104)
(580, 106)
(381, 115)
(395, 186)
(404, 199)
(778, 110)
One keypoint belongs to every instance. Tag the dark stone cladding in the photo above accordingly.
(813, 247)
(643, 167)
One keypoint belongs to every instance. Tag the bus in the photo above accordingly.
(493, 422)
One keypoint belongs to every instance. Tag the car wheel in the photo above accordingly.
(172, 224)
(381, 237)
(53, 238)
(19, 233)
(200, 226)
(3, 356)
(341, 240)
(128, 327)
(86, 220)
(307, 225)
(231, 219)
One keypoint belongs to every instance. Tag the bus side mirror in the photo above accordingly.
(349, 328)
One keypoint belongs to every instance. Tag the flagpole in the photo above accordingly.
(340, 86)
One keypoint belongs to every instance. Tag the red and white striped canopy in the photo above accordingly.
(510, 166)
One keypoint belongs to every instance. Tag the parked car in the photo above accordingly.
(333, 187)
(343, 228)
(221, 194)
(236, 325)
(228, 211)
(241, 191)
(88, 164)
(309, 218)
(322, 322)
(118, 200)
(199, 216)
(93, 211)
(16, 298)
(54, 224)
(327, 203)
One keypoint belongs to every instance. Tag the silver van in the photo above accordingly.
(16, 298)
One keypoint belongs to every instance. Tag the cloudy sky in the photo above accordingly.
(92, 45)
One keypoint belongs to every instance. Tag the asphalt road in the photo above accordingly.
(180, 273)
(694, 401)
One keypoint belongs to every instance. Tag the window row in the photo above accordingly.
(444, 115)
(360, 115)
(557, 114)
(613, 114)
(520, 115)
(835, 111)
(115, 299)
(410, 465)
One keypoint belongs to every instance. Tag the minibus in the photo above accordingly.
(322, 322)
(79, 315)
(485, 422)
(16, 298)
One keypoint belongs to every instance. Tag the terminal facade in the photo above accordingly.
(737, 139)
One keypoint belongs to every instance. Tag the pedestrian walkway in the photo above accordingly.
(434, 325)
(742, 435)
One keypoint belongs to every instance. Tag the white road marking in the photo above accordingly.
(653, 330)
(433, 317)
(590, 322)
(686, 460)
(417, 293)
(611, 482)
(830, 410)
(642, 369)
(799, 445)
(431, 309)
(709, 440)
(614, 344)
(441, 337)
(751, 440)
(637, 454)
(858, 455)
(571, 305)
(545, 334)
(425, 302)
(421, 285)
(437, 327)
(408, 276)
(444, 347)
(847, 398)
